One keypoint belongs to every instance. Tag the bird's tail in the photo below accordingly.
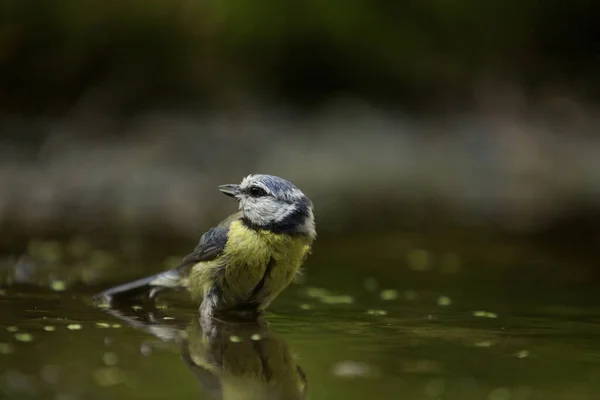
(144, 287)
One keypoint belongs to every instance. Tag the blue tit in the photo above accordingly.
(248, 259)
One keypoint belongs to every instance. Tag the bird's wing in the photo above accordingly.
(210, 246)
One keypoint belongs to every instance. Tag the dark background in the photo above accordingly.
(457, 120)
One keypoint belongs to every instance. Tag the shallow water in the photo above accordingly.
(416, 335)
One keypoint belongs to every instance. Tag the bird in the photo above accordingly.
(242, 264)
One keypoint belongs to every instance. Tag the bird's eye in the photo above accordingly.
(255, 191)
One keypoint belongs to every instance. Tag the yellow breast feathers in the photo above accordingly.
(256, 265)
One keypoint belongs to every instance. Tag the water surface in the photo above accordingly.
(345, 331)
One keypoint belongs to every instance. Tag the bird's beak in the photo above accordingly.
(230, 190)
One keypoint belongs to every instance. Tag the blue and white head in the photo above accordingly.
(272, 203)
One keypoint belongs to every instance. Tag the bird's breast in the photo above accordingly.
(259, 264)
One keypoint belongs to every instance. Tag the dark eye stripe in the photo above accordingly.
(256, 191)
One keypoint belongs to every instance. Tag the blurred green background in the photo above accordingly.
(422, 55)
(443, 117)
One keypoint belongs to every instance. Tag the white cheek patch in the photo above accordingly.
(266, 210)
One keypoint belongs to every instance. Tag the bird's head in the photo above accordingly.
(272, 203)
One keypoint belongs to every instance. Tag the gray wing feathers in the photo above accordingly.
(169, 279)
(211, 245)
(148, 286)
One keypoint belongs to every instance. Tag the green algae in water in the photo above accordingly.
(419, 260)
(337, 299)
(485, 314)
(317, 292)
(256, 337)
(58, 286)
(326, 297)
(444, 301)
(377, 313)
(24, 337)
(522, 354)
(389, 294)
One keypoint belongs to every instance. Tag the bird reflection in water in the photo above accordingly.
(233, 359)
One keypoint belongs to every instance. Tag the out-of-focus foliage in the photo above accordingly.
(134, 53)
(126, 115)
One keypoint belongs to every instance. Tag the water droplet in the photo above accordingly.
(444, 301)
(256, 337)
(49, 328)
(522, 354)
(102, 325)
(419, 260)
(376, 312)
(316, 292)
(337, 299)
(235, 339)
(351, 369)
(24, 337)
(484, 314)
(74, 327)
(389, 294)
(58, 285)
